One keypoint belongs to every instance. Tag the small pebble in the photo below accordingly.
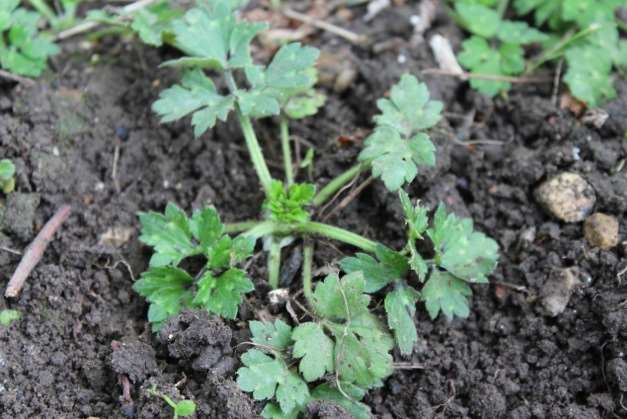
(557, 290)
(601, 230)
(567, 197)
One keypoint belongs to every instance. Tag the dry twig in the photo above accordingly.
(329, 27)
(492, 77)
(35, 251)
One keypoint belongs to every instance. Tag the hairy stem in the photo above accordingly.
(241, 226)
(308, 251)
(338, 182)
(337, 233)
(266, 228)
(252, 144)
(287, 152)
(274, 263)
(254, 149)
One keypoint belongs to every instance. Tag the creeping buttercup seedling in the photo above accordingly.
(343, 350)
(7, 176)
(182, 408)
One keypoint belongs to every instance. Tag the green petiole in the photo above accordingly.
(338, 182)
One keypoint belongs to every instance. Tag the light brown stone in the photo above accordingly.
(601, 230)
(567, 197)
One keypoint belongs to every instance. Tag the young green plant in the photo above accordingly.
(352, 348)
(586, 36)
(181, 409)
(7, 176)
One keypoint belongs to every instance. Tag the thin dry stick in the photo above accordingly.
(492, 77)
(9, 250)
(35, 251)
(337, 194)
(349, 198)
(87, 26)
(407, 366)
(13, 77)
(326, 26)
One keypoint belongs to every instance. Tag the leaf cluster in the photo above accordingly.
(285, 85)
(217, 288)
(7, 176)
(23, 49)
(590, 58)
(461, 256)
(287, 204)
(398, 144)
(495, 47)
(344, 352)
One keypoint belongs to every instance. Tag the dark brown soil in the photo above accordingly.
(507, 360)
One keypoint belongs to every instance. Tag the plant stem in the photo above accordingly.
(559, 48)
(254, 149)
(252, 144)
(274, 263)
(44, 10)
(287, 152)
(266, 228)
(338, 182)
(502, 8)
(308, 251)
(241, 226)
(337, 233)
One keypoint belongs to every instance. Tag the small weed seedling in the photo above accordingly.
(343, 350)
(7, 176)
(495, 47)
(585, 33)
(182, 408)
(9, 316)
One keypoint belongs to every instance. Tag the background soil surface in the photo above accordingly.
(82, 325)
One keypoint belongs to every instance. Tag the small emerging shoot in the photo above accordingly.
(7, 176)
(182, 408)
(9, 316)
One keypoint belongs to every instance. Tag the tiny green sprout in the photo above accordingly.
(7, 176)
(9, 316)
(182, 408)
(287, 205)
